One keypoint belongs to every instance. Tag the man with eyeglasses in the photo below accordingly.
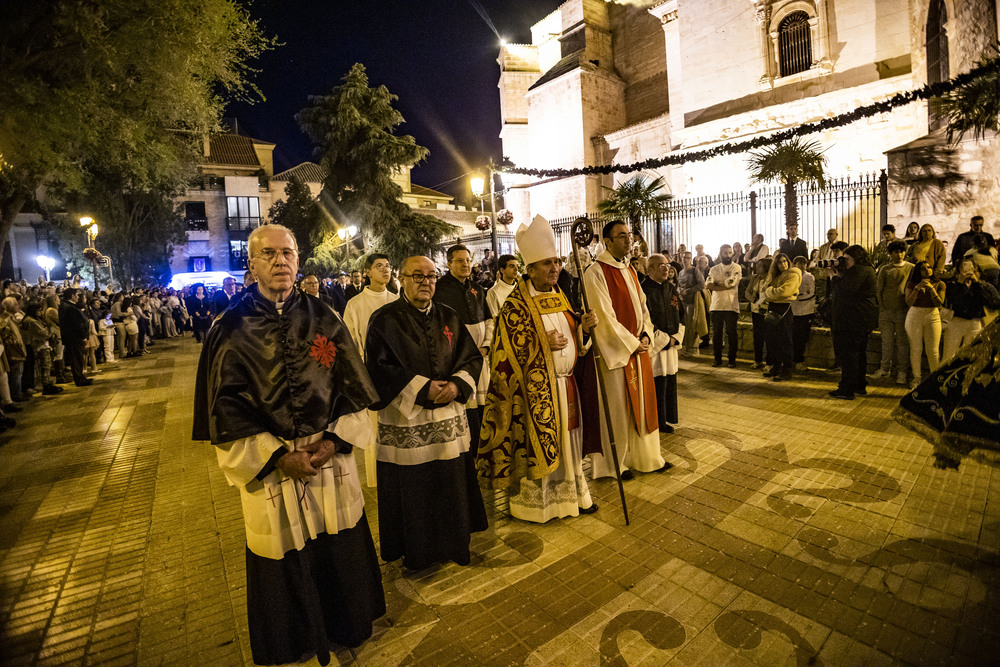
(356, 316)
(281, 392)
(532, 441)
(459, 291)
(623, 334)
(424, 363)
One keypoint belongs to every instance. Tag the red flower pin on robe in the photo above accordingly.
(323, 350)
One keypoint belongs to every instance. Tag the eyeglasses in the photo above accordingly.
(420, 278)
(382, 266)
(623, 235)
(270, 254)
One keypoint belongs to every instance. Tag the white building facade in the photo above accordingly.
(607, 82)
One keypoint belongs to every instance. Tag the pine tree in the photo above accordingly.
(352, 129)
(299, 212)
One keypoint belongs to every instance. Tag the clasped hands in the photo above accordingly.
(442, 391)
(306, 462)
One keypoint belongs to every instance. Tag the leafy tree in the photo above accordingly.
(124, 85)
(352, 129)
(299, 212)
(789, 162)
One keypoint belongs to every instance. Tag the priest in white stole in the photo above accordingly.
(359, 310)
(531, 442)
(623, 336)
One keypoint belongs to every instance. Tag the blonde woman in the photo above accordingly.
(781, 289)
(928, 248)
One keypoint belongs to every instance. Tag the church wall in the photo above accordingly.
(640, 60)
(725, 53)
(971, 26)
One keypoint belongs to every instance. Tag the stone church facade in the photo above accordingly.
(607, 82)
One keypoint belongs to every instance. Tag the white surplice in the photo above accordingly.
(280, 513)
(356, 316)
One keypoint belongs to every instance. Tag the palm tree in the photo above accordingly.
(789, 162)
(974, 106)
(635, 199)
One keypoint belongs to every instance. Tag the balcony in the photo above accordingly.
(196, 224)
(242, 224)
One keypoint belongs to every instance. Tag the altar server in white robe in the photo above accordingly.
(359, 310)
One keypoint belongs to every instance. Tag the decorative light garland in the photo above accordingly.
(866, 111)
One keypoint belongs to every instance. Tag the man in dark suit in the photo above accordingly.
(793, 246)
(223, 297)
(75, 330)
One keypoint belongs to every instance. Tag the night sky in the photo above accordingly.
(437, 56)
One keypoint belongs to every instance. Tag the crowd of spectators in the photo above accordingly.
(55, 334)
(906, 288)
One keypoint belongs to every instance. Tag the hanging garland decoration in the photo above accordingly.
(866, 111)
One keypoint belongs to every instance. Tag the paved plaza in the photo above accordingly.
(793, 530)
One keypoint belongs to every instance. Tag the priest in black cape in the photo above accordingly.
(281, 392)
(424, 364)
(458, 290)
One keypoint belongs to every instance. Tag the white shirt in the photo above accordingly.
(497, 295)
(729, 277)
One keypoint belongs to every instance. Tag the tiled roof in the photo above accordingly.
(567, 64)
(421, 191)
(307, 172)
(232, 149)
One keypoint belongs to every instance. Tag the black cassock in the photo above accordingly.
(291, 375)
(429, 501)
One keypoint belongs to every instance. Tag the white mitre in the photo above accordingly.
(536, 241)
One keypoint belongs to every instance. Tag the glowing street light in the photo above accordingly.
(92, 229)
(477, 182)
(346, 234)
(46, 263)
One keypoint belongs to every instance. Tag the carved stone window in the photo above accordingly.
(793, 40)
(794, 44)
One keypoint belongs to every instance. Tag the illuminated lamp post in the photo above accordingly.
(91, 252)
(347, 234)
(46, 263)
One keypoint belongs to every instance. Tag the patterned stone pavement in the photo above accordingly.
(794, 530)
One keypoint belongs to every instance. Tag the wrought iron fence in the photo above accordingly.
(856, 207)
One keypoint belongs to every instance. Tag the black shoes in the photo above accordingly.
(665, 467)
(85, 382)
(732, 364)
(842, 395)
(627, 475)
(51, 390)
(666, 428)
(771, 372)
(589, 510)
(717, 363)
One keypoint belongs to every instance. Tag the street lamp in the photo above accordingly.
(346, 234)
(46, 263)
(92, 229)
(476, 183)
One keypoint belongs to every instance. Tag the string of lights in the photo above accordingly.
(865, 111)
